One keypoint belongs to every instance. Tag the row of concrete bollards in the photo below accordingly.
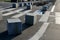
(17, 5)
(15, 26)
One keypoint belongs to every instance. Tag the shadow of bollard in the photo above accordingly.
(4, 36)
(25, 26)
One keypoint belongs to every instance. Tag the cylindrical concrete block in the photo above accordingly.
(31, 19)
(14, 26)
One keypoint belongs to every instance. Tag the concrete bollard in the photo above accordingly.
(20, 4)
(30, 19)
(14, 26)
(29, 6)
(25, 4)
(15, 5)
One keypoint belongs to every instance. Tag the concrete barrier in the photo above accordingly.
(31, 19)
(15, 5)
(14, 26)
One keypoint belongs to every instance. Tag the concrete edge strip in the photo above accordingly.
(12, 12)
(38, 12)
(57, 14)
(52, 10)
(45, 17)
(21, 14)
(40, 32)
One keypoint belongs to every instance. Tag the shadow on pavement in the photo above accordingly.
(4, 35)
(25, 26)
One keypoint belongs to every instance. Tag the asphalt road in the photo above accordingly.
(28, 31)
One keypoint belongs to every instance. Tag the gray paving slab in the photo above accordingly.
(52, 32)
(57, 6)
(51, 20)
(35, 8)
(52, 13)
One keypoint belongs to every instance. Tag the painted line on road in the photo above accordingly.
(40, 32)
(5, 8)
(52, 10)
(8, 10)
(57, 17)
(12, 12)
(21, 14)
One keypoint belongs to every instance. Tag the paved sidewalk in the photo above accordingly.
(52, 32)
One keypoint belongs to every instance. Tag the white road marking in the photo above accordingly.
(5, 7)
(40, 32)
(12, 12)
(57, 17)
(52, 10)
(21, 14)
(45, 17)
(8, 10)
